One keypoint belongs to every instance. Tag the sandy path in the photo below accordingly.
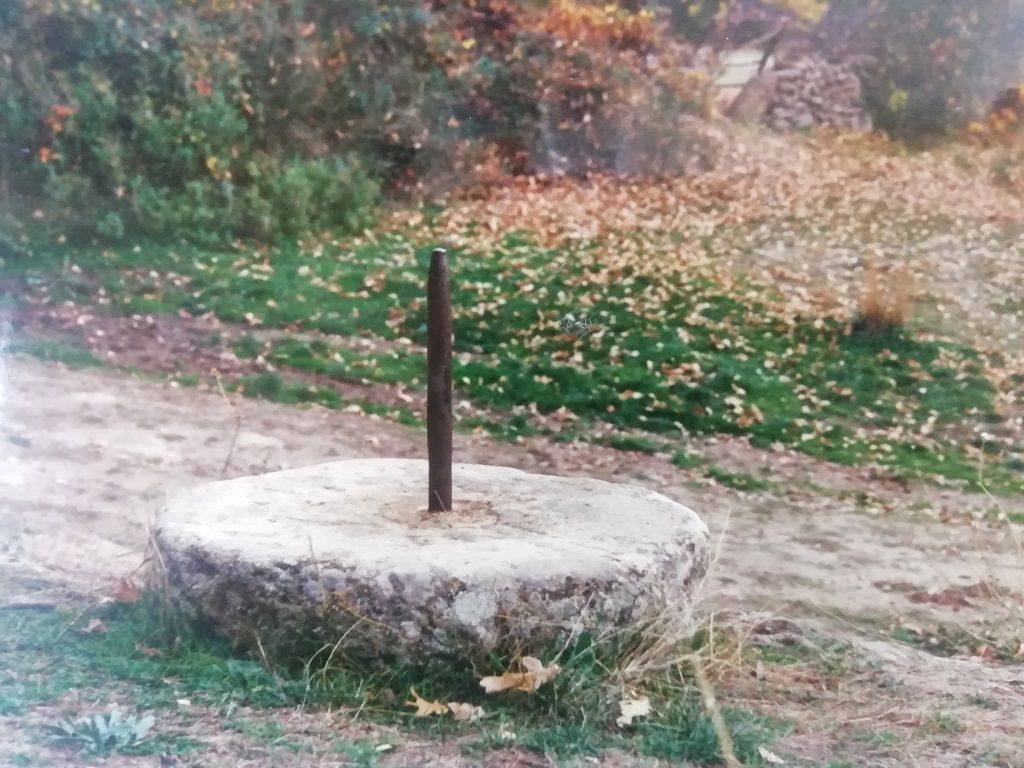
(86, 458)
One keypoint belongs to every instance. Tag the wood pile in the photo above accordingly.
(813, 91)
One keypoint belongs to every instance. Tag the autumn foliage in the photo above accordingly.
(928, 66)
(271, 118)
(264, 118)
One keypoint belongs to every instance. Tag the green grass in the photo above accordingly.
(42, 661)
(573, 715)
(279, 389)
(359, 753)
(950, 640)
(270, 732)
(53, 351)
(634, 443)
(741, 481)
(882, 738)
(694, 357)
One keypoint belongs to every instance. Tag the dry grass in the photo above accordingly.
(1004, 590)
(887, 300)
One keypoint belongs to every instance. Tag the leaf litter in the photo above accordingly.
(533, 676)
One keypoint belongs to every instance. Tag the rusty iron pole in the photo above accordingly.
(439, 384)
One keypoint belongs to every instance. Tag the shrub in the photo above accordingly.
(268, 197)
(614, 90)
(170, 119)
(267, 118)
(928, 65)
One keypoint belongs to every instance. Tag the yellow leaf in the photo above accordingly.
(126, 592)
(770, 757)
(425, 708)
(94, 627)
(533, 676)
(146, 650)
(465, 713)
(636, 706)
(808, 10)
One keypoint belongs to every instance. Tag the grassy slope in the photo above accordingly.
(662, 352)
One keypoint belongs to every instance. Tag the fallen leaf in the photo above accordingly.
(465, 713)
(770, 757)
(637, 706)
(425, 708)
(535, 674)
(126, 592)
(94, 627)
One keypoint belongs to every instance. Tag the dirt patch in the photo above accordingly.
(185, 345)
(170, 344)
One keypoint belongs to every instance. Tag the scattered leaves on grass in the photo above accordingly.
(718, 302)
(460, 710)
(533, 676)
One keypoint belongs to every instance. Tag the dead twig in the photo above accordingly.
(238, 425)
(707, 694)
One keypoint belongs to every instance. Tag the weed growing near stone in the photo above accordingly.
(105, 733)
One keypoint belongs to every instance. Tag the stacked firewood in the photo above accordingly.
(813, 91)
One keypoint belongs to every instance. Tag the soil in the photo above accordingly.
(828, 553)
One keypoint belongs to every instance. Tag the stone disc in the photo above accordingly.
(521, 560)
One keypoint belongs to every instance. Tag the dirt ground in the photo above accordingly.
(87, 456)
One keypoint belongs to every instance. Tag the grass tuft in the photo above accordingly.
(884, 310)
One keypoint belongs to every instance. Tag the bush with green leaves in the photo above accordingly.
(927, 66)
(267, 119)
(170, 119)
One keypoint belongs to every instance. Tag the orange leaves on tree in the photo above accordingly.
(59, 114)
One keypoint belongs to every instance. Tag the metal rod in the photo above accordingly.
(439, 384)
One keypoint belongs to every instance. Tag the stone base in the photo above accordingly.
(308, 554)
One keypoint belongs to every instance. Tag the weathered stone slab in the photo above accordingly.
(522, 560)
